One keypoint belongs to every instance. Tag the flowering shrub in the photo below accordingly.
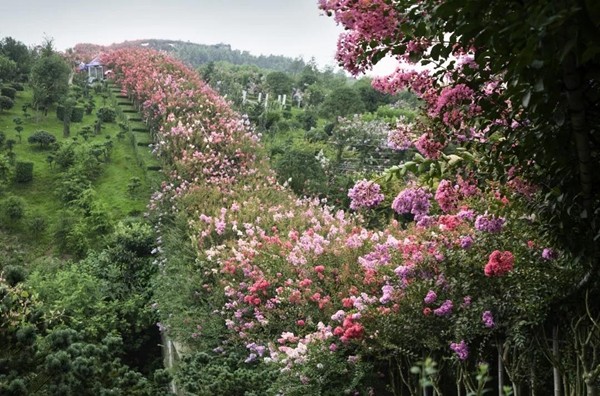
(255, 277)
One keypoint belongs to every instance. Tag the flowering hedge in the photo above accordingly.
(256, 275)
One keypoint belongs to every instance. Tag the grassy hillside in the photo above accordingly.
(44, 206)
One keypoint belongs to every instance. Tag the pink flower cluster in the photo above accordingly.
(447, 196)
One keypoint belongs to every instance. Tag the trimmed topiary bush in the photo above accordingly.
(77, 115)
(106, 114)
(6, 103)
(43, 138)
(8, 92)
(60, 112)
(24, 172)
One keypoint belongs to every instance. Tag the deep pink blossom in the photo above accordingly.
(499, 264)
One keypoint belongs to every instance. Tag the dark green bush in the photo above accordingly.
(301, 166)
(64, 157)
(13, 208)
(23, 172)
(8, 92)
(72, 186)
(37, 225)
(106, 114)
(43, 138)
(17, 86)
(77, 115)
(60, 112)
(14, 274)
(6, 103)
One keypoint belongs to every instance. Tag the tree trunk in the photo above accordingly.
(555, 371)
(574, 86)
(500, 371)
(591, 389)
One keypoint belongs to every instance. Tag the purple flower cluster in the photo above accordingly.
(461, 349)
(387, 294)
(489, 223)
(488, 320)
(466, 241)
(365, 194)
(466, 214)
(430, 297)
(414, 201)
(549, 254)
(445, 309)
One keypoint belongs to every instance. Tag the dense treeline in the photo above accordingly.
(196, 55)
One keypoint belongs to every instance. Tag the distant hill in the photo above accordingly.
(196, 55)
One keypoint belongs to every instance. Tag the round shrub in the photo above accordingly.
(6, 103)
(13, 208)
(106, 114)
(43, 138)
(8, 92)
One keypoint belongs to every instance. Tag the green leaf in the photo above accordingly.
(539, 85)
(526, 98)
(567, 48)
(454, 159)
(419, 157)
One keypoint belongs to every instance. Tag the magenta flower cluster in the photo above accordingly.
(488, 320)
(549, 254)
(430, 297)
(461, 349)
(445, 309)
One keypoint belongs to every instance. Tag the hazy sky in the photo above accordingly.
(281, 27)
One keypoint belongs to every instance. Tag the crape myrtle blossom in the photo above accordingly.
(549, 254)
(488, 319)
(430, 297)
(499, 264)
(400, 138)
(365, 194)
(414, 200)
(461, 349)
(489, 223)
